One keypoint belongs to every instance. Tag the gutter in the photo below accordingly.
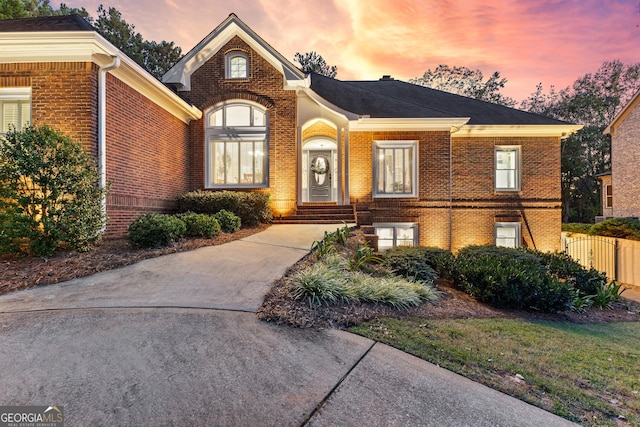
(102, 128)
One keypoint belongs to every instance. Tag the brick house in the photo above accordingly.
(420, 166)
(624, 178)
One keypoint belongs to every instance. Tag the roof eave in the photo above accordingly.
(89, 46)
(559, 130)
(368, 124)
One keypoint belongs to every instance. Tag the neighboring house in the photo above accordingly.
(606, 196)
(624, 177)
(419, 165)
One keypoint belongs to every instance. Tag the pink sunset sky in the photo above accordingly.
(528, 41)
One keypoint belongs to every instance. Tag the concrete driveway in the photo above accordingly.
(175, 341)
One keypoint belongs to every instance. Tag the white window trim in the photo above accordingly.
(518, 150)
(15, 94)
(515, 225)
(235, 134)
(608, 198)
(414, 176)
(395, 226)
(227, 64)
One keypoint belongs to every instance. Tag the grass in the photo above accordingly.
(587, 373)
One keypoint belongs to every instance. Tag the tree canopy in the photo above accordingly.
(312, 62)
(466, 82)
(156, 57)
(593, 101)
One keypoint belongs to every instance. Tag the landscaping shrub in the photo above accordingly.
(575, 227)
(155, 230)
(561, 265)
(229, 222)
(200, 225)
(623, 228)
(252, 207)
(422, 263)
(49, 194)
(509, 278)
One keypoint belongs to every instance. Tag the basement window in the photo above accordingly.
(507, 234)
(396, 234)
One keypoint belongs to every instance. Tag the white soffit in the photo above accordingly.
(480, 131)
(89, 46)
(366, 124)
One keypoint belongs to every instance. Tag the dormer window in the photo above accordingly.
(237, 65)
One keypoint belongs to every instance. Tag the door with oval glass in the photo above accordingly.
(320, 176)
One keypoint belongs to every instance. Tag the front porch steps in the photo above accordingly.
(322, 213)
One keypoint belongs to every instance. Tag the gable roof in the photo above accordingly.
(626, 110)
(388, 98)
(180, 73)
(46, 23)
(69, 38)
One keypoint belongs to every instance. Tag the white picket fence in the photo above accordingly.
(618, 258)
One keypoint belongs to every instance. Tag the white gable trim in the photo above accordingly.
(180, 74)
(89, 46)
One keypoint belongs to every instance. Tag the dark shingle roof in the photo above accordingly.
(46, 23)
(389, 98)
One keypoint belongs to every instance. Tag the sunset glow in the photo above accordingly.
(548, 41)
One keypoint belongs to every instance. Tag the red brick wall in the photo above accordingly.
(73, 112)
(147, 156)
(476, 205)
(264, 86)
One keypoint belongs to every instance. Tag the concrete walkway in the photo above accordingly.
(175, 341)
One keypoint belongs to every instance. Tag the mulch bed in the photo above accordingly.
(279, 307)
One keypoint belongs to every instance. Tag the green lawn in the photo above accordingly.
(589, 374)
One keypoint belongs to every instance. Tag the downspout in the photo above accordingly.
(102, 128)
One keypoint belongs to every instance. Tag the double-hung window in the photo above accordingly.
(15, 109)
(236, 145)
(396, 234)
(395, 168)
(507, 234)
(237, 65)
(507, 168)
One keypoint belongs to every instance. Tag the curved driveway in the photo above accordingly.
(175, 341)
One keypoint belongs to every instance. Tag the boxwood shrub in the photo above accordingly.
(561, 265)
(155, 230)
(509, 278)
(229, 222)
(200, 225)
(252, 207)
(422, 263)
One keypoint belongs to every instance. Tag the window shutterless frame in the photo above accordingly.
(236, 65)
(396, 234)
(507, 234)
(507, 168)
(395, 169)
(15, 108)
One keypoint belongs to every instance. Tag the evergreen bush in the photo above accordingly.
(156, 230)
(200, 225)
(252, 207)
(229, 222)
(49, 193)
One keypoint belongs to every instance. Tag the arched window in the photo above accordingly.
(236, 145)
(237, 65)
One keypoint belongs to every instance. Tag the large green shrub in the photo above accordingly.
(509, 278)
(252, 207)
(155, 230)
(419, 262)
(49, 193)
(200, 225)
(229, 222)
(623, 228)
(561, 265)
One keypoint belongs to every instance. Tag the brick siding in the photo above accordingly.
(625, 158)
